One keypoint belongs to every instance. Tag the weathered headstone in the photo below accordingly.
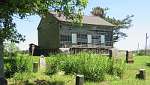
(141, 74)
(42, 63)
(79, 79)
(113, 53)
(3, 81)
(33, 48)
(42, 56)
(129, 57)
(35, 67)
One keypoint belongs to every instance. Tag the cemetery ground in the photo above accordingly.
(23, 74)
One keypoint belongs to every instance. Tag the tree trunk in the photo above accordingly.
(1, 60)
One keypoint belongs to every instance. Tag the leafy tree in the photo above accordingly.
(98, 11)
(23, 8)
(119, 24)
(11, 47)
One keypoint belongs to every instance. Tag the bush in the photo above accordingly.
(93, 66)
(17, 63)
(22, 78)
(51, 66)
(116, 67)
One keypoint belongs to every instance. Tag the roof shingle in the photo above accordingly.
(92, 20)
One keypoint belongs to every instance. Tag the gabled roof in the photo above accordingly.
(91, 20)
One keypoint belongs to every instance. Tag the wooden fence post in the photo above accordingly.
(79, 79)
(35, 67)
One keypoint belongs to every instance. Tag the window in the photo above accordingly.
(65, 38)
(83, 36)
(74, 38)
(102, 39)
(95, 37)
(89, 38)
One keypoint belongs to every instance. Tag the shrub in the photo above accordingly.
(52, 64)
(116, 67)
(51, 67)
(93, 66)
(17, 63)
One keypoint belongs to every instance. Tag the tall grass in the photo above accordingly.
(17, 63)
(94, 67)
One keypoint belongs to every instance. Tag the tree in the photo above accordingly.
(98, 11)
(72, 9)
(119, 24)
(11, 47)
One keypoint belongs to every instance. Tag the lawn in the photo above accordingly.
(131, 70)
(127, 79)
(129, 75)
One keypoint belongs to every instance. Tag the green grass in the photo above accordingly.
(94, 67)
(130, 73)
(128, 76)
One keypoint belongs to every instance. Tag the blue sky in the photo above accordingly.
(118, 9)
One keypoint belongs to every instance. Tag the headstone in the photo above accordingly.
(42, 56)
(79, 79)
(3, 81)
(141, 74)
(35, 66)
(33, 48)
(129, 57)
(42, 62)
(113, 53)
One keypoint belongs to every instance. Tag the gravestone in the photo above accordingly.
(79, 79)
(33, 49)
(35, 67)
(129, 57)
(141, 74)
(42, 63)
(113, 53)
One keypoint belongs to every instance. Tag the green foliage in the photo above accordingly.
(10, 47)
(22, 78)
(7, 31)
(23, 8)
(128, 77)
(118, 23)
(51, 65)
(70, 8)
(118, 68)
(142, 52)
(17, 63)
(98, 11)
(94, 67)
